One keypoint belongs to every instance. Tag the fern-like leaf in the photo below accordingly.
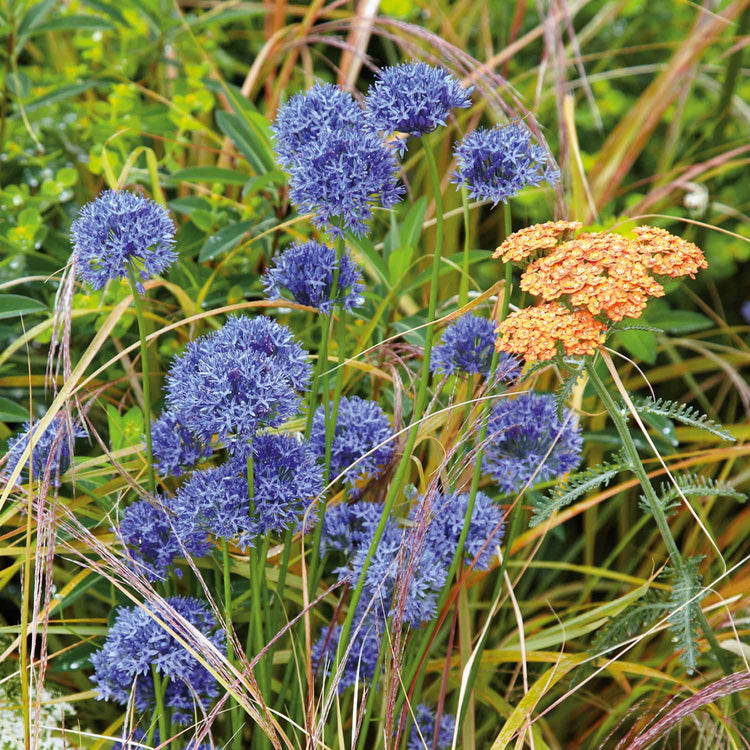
(683, 413)
(684, 606)
(692, 485)
(562, 394)
(576, 486)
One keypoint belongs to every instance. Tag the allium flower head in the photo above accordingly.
(535, 332)
(667, 255)
(537, 238)
(51, 453)
(425, 719)
(361, 427)
(341, 175)
(216, 502)
(306, 270)
(467, 347)
(310, 115)
(233, 381)
(497, 164)
(174, 447)
(136, 641)
(599, 272)
(117, 228)
(521, 432)
(411, 99)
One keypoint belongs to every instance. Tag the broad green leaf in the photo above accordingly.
(411, 227)
(248, 143)
(12, 305)
(34, 16)
(225, 239)
(210, 174)
(124, 430)
(10, 411)
(639, 344)
(107, 9)
(367, 249)
(59, 94)
(74, 23)
(398, 262)
(680, 321)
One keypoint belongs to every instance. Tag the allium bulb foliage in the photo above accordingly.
(526, 441)
(118, 229)
(135, 642)
(306, 270)
(234, 381)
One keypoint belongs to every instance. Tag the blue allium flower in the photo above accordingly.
(446, 521)
(117, 228)
(136, 641)
(520, 432)
(306, 271)
(425, 719)
(215, 502)
(745, 311)
(339, 176)
(152, 541)
(233, 381)
(310, 115)
(363, 656)
(467, 347)
(412, 99)
(361, 425)
(174, 447)
(50, 453)
(497, 164)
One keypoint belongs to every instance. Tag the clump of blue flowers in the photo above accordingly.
(236, 380)
(136, 641)
(174, 447)
(424, 718)
(411, 99)
(362, 444)
(520, 434)
(306, 270)
(120, 228)
(51, 453)
(497, 164)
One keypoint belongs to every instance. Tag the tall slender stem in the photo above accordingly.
(145, 375)
(419, 406)
(159, 685)
(463, 285)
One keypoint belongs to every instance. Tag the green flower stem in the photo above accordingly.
(463, 285)
(653, 502)
(234, 708)
(145, 376)
(163, 719)
(405, 461)
(370, 700)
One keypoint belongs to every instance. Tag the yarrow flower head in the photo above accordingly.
(306, 270)
(411, 99)
(120, 228)
(233, 381)
(340, 175)
(537, 238)
(497, 164)
(51, 452)
(535, 332)
(122, 667)
(667, 255)
(467, 346)
(174, 447)
(216, 502)
(424, 719)
(520, 434)
(310, 115)
(362, 444)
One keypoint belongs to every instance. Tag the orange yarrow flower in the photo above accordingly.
(536, 238)
(667, 255)
(602, 273)
(534, 332)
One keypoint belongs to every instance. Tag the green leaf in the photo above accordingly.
(684, 604)
(680, 321)
(74, 23)
(398, 262)
(411, 227)
(639, 344)
(109, 10)
(34, 16)
(682, 413)
(367, 249)
(59, 94)
(15, 304)
(11, 411)
(224, 240)
(210, 174)
(125, 430)
(248, 143)
(188, 204)
(663, 426)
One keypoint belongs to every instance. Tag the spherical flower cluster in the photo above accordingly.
(497, 164)
(233, 381)
(412, 99)
(599, 272)
(51, 452)
(174, 447)
(362, 444)
(467, 347)
(122, 667)
(311, 115)
(535, 239)
(424, 718)
(535, 332)
(667, 255)
(306, 270)
(526, 441)
(120, 228)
